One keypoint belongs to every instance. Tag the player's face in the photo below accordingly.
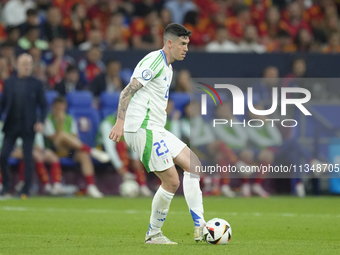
(59, 108)
(179, 48)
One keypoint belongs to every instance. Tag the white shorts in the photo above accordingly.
(155, 149)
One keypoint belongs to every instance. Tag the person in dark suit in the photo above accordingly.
(21, 97)
(70, 83)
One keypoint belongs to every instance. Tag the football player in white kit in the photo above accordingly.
(141, 118)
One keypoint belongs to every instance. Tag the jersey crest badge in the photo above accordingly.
(147, 74)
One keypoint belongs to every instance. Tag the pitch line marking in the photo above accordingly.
(147, 212)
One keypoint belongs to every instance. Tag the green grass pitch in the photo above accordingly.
(278, 225)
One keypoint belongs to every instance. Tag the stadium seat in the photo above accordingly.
(180, 100)
(109, 103)
(79, 99)
(50, 96)
(67, 162)
(13, 161)
(87, 121)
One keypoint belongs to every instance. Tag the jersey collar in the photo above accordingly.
(163, 54)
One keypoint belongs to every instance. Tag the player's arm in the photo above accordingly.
(124, 100)
(125, 96)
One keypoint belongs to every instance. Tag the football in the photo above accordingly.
(129, 189)
(217, 231)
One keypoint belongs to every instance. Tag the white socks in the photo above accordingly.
(159, 210)
(193, 196)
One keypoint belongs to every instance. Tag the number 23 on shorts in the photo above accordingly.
(161, 148)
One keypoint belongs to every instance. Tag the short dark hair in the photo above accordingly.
(176, 29)
(74, 7)
(10, 29)
(71, 68)
(111, 61)
(31, 28)
(7, 44)
(32, 12)
(283, 34)
(221, 27)
(59, 99)
(297, 59)
(240, 8)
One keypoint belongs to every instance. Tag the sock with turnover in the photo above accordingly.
(56, 172)
(89, 179)
(40, 168)
(193, 196)
(85, 148)
(159, 210)
(21, 171)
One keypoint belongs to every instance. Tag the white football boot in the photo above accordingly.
(198, 234)
(18, 187)
(300, 189)
(99, 155)
(57, 189)
(92, 191)
(258, 190)
(158, 239)
(48, 189)
(245, 190)
(227, 192)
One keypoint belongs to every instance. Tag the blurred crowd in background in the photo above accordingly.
(217, 25)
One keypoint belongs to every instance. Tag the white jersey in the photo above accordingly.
(147, 106)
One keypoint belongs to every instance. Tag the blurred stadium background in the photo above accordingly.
(87, 50)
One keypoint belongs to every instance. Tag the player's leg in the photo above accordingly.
(55, 170)
(248, 156)
(8, 143)
(152, 151)
(18, 154)
(27, 148)
(266, 158)
(64, 140)
(161, 202)
(188, 161)
(52, 159)
(41, 170)
(87, 169)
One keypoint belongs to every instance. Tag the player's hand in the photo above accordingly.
(39, 127)
(117, 131)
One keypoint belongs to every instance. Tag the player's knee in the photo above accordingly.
(172, 185)
(194, 162)
(175, 184)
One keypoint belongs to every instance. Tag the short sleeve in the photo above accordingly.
(74, 128)
(49, 128)
(148, 68)
(39, 140)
